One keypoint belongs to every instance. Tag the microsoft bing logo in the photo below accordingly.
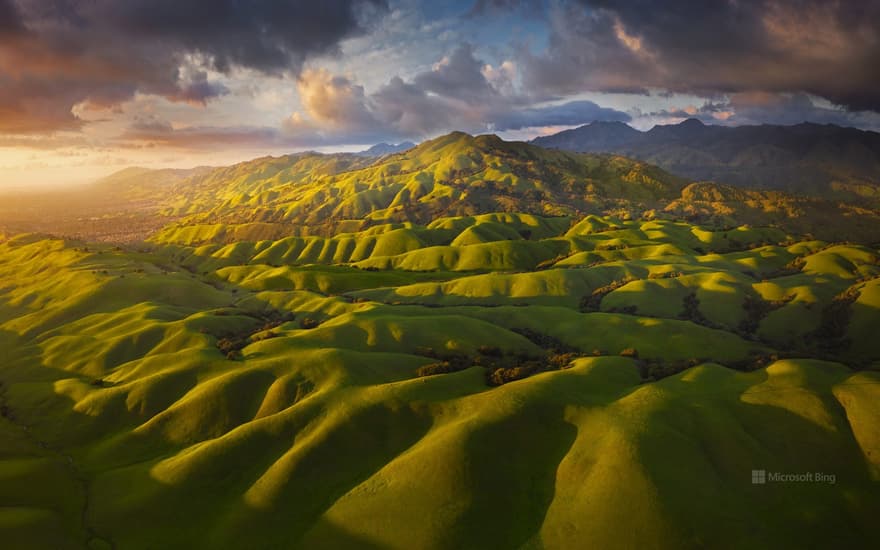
(763, 477)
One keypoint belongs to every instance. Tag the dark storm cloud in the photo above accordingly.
(495, 7)
(750, 108)
(763, 108)
(55, 54)
(460, 92)
(713, 47)
(9, 18)
(268, 35)
(458, 75)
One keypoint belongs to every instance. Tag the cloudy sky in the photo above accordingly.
(89, 87)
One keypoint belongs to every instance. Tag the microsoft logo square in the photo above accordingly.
(759, 477)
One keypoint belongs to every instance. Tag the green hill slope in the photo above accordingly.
(460, 176)
(469, 344)
(597, 379)
(453, 175)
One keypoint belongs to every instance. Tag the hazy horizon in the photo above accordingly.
(60, 178)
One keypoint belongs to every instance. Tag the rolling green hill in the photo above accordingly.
(470, 344)
(454, 175)
(460, 175)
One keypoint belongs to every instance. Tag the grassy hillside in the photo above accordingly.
(454, 175)
(464, 176)
(563, 380)
(468, 344)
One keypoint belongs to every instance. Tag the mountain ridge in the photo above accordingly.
(382, 149)
(312, 193)
(824, 160)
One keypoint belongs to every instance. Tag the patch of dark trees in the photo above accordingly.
(757, 309)
(830, 337)
(793, 267)
(655, 368)
(502, 366)
(691, 312)
(230, 344)
(5, 410)
(593, 301)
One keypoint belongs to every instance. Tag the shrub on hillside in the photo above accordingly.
(497, 377)
(309, 323)
(562, 360)
(547, 264)
(791, 268)
(265, 336)
(753, 362)
(831, 333)
(229, 344)
(666, 275)
(544, 341)
(594, 300)
(691, 311)
(757, 309)
(656, 369)
(440, 367)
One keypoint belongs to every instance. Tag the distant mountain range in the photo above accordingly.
(823, 160)
(382, 149)
(454, 175)
(461, 175)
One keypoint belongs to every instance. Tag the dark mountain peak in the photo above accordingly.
(819, 159)
(691, 123)
(382, 149)
(491, 140)
(687, 131)
(687, 127)
(608, 124)
(445, 140)
(598, 136)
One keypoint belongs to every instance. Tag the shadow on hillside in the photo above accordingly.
(701, 450)
(511, 497)
(128, 504)
(313, 464)
(315, 452)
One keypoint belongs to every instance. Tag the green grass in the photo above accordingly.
(122, 414)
